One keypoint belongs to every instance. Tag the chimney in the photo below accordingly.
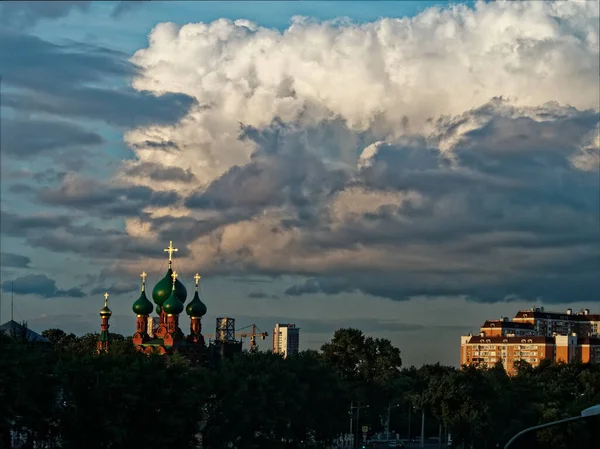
(505, 319)
(569, 311)
(586, 311)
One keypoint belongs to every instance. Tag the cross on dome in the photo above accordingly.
(174, 276)
(106, 299)
(143, 276)
(197, 278)
(170, 250)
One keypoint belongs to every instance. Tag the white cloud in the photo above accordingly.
(441, 62)
(443, 114)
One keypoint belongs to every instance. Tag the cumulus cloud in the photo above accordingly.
(386, 77)
(446, 154)
(40, 285)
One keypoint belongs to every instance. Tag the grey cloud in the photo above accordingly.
(22, 189)
(501, 213)
(104, 199)
(57, 79)
(100, 244)
(158, 172)
(19, 226)
(40, 285)
(14, 260)
(262, 295)
(126, 7)
(118, 288)
(49, 176)
(27, 139)
(25, 14)
(283, 172)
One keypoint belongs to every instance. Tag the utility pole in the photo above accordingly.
(440, 436)
(351, 413)
(357, 424)
(387, 426)
(409, 413)
(423, 428)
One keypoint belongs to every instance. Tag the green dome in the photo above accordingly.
(173, 306)
(196, 307)
(105, 311)
(142, 306)
(162, 290)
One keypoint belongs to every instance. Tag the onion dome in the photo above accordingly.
(162, 290)
(173, 306)
(105, 311)
(196, 308)
(142, 306)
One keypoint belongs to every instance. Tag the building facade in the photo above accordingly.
(286, 339)
(532, 336)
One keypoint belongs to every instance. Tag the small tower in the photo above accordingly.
(196, 309)
(105, 314)
(142, 308)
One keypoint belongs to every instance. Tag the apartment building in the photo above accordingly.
(286, 339)
(534, 335)
(581, 323)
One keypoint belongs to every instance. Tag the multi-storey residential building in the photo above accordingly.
(534, 335)
(483, 350)
(582, 323)
(286, 339)
(505, 327)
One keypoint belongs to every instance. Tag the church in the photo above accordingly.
(162, 334)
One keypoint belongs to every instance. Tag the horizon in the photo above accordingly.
(410, 169)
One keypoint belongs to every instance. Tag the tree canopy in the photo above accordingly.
(65, 395)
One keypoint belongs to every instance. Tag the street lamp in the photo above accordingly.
(357, 408)
(591, 411)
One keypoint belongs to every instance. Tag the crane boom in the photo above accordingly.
(252, 334)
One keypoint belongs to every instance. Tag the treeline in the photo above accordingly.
(63, 395)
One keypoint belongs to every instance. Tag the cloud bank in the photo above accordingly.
(453, 153)
(448, 154)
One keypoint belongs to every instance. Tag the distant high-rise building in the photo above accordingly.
(286, 339)
(532, 336)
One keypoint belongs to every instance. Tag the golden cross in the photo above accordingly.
(171, 250)
(197, 278)
(106, 299)
(174, 276)
(143, 276)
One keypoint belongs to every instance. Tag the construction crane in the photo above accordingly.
(253, 332)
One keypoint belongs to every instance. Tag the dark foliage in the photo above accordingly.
(63, 395)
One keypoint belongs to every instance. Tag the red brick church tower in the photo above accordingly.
(105, 314)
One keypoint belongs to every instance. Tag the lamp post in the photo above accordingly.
(357, 408)
(591, 411)
(387, 427)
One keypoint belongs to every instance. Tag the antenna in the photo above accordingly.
(12, 300)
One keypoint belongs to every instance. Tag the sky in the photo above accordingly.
(407, 168)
